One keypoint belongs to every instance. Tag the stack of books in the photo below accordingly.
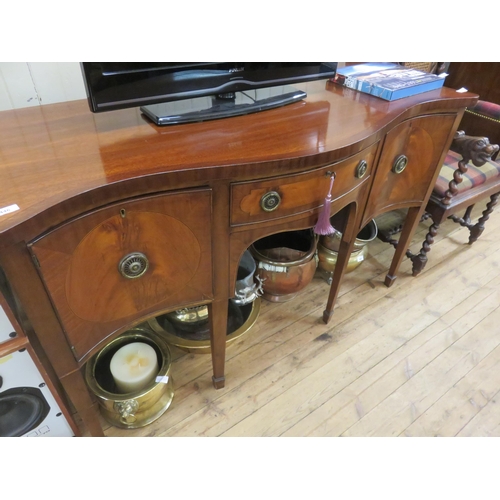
(389, 81)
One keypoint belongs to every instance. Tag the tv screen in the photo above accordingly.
(116, 85)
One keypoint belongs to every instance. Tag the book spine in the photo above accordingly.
(419, 89)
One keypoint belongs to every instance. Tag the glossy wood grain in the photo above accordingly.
(298, 192)
(421, 141)
(79, 263)
(55, 155)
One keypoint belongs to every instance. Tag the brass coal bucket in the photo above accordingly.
(134, 409)
(328, 248)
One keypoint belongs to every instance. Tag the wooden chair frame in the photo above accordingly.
(477, 150)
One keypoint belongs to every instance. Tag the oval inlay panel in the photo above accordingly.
(96, 289)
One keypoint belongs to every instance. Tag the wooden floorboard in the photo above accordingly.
(421, 358)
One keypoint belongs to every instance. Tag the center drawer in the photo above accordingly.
(287, 195)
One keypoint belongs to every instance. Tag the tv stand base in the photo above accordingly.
(213, 107)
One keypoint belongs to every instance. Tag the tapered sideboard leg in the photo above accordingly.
(411, 222)
(345, 248)
(218, 332)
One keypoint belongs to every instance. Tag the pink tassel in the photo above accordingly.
(323, 225)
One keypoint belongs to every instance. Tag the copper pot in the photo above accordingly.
(285, 263)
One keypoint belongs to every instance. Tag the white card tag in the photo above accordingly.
(8, 210)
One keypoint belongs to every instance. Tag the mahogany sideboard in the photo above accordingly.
(99, 197)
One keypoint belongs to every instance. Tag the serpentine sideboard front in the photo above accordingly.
(93, 194)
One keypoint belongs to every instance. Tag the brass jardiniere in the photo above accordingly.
(138, 408)
(328, 247)
(168, 330)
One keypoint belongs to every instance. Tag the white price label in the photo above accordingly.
(8, 210)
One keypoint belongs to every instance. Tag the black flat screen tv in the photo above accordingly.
(170, 93)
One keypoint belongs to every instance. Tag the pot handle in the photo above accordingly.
(249, 293)
(126, 410)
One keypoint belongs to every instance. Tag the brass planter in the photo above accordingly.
(328, 250)
(197, 341)
(365, 236)
(328, 259)
(134, 409)
(286, 263)
(189, 319)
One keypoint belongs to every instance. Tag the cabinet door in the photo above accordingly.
(409, 163)
(114, 266)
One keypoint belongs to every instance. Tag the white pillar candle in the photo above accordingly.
(134, 366)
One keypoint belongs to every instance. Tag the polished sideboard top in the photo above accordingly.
(64, 156)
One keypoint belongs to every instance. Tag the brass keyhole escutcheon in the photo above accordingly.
(133, 265)
(270, 201)
(361, 169)
(400, 164)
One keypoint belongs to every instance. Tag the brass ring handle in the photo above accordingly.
(133, 265)
(399, 164)
(127, 410)
(270, 201)
(361, 169)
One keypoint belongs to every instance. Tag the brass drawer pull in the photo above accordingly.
(133, 265)
(361, 169)
(270, 201)
(400, 164)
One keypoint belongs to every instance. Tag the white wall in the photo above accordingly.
(24, 84)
